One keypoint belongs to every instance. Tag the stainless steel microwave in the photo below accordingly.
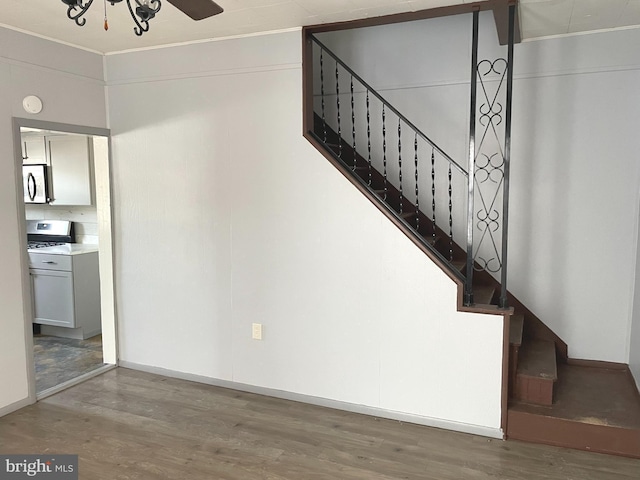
(35, 184)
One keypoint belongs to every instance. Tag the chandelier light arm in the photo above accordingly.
(77, 16)
(141, 26)
(144, 12)
(151, 4)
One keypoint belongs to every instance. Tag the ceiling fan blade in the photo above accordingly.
(197, 9)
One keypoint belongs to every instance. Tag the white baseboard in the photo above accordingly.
(64, 332)
(323, 402)
(15, 406)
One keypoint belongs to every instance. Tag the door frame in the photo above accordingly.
(104, 209)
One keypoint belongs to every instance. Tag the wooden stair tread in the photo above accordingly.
(537, 359)
(483, 294)
(459, 265)
(598, 396)
(589, 436)
(594, 409)
(432, 241)
(516, 327)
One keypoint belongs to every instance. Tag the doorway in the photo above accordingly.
(72, 333)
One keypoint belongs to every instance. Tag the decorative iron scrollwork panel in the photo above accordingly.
(489, 166)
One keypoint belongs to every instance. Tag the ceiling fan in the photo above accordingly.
(142, 11)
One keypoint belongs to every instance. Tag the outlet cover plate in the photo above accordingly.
(256, 331)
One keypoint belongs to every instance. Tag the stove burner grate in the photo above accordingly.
(31, 245)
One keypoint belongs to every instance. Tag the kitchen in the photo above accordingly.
(62, 233)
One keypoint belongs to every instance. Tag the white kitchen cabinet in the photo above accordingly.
(34, 150)
(70, 160)
(66, 293)
(53, 299)
(70, 172)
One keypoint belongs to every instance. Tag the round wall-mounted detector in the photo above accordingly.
(32, 104)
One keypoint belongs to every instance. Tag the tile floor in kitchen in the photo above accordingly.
(58, 359)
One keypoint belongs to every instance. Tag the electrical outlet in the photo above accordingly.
(256, 331)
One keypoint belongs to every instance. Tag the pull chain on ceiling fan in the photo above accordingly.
(142, 11)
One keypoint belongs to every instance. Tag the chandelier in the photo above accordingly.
(141, 12)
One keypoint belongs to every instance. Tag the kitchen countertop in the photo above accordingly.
(66, 249)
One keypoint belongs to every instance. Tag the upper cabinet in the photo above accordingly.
(69, 161)
(70, 170)
(34, 150)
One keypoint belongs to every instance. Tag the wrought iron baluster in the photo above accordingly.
(468, 285)
(450, 218)
(433, 195)
(400, 160)
(389, 107)
(415, 161)
(338, 105)
(432, 227)
(507, 158)
(353, 126)
(384, 152)
(324, 121)
(368, 139)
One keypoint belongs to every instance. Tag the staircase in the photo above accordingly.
(552, 399)
(556, 400)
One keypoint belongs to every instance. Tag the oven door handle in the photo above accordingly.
(31, 180)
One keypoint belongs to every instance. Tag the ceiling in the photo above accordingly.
(48, 18)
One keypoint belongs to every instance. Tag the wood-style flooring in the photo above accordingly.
(126, 424)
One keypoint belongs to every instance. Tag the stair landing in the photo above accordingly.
(594, 409)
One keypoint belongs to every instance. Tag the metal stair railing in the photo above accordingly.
(414, 178)
(384, 167)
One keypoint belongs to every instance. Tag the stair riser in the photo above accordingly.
(566, 433)
(534, 390)
(513, 368)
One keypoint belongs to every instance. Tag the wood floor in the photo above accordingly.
(126, 424)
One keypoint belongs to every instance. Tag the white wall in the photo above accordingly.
(634, 356)
(226, 216)
(575, 174)
(70, 84)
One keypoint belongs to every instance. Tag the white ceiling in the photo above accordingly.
(48, 18)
